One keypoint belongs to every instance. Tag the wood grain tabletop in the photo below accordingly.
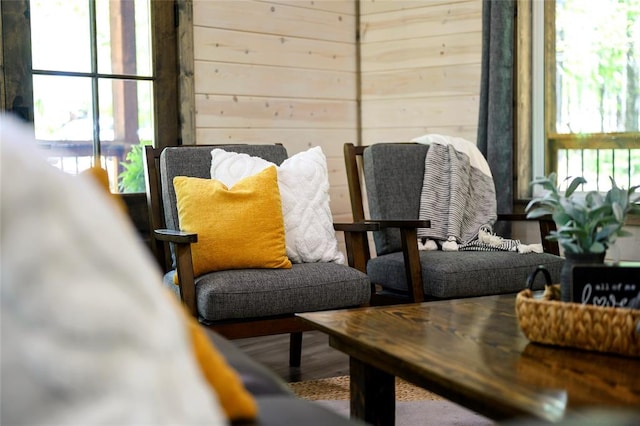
(472, 351)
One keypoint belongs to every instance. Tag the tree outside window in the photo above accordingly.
(593, 91)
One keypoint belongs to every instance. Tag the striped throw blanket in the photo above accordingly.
(458, 197)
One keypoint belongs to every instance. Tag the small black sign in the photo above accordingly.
(605, 285)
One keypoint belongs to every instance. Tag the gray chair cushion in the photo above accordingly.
(465, 273)
(305, 287)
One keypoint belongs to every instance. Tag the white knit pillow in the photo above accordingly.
(304, 189)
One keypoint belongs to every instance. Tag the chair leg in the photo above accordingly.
(295, 349)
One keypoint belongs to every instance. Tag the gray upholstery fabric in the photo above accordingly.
(256, 378)
(253, 293)
(464, 274)
(393, 175)
(267, 292)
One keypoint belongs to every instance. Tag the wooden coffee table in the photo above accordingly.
(471, 352)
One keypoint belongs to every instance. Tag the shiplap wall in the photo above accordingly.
(278, 72)
(420, 68)
(287, 71)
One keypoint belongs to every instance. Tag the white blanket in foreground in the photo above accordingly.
(88, 335)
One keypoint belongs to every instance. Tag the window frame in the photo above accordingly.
(16, 80)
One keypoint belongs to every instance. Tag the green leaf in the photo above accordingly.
(561, 218)
(624, 233)
(572, 247)
(618, 212)
(539, 212)
(606, 232)
(597, 248)
(594, 198)
(547, 183)
(545, 180)
(586, 222)
(574, 185)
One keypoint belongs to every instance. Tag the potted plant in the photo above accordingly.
(587, 223)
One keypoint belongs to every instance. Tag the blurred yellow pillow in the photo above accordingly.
(237, 228)
(101, 177)
(236, 401)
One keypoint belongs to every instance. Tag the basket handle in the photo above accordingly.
(532, 277)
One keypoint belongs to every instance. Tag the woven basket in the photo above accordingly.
(596, 328)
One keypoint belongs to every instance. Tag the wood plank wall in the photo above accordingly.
(278, 71)
(420, 68)
(287, 71)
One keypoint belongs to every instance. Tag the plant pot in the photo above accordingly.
(566, 273)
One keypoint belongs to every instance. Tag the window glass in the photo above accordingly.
(597, 66)
(63, 108)
(123, 40)
(60, 35)
(94, 105)
(593, 127)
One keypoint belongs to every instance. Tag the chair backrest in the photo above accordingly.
(162, 165)
(393, 174)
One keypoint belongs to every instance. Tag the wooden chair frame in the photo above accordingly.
(408, 231)
(161, 238)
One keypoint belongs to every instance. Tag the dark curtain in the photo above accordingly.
(495, 125)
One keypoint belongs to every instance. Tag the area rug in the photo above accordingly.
(337, 388)
(414, 405)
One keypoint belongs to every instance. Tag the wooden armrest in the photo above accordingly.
(356, 227)
(512, 216)
(175, 236)
(357, 244)
(409, 237)
(184, 264)
(545, 224)
(400, 223)
(523, 217)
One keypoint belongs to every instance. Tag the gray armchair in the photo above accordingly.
(239, 303)
(393, 175)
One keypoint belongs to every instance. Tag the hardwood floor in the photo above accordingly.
(319, 360)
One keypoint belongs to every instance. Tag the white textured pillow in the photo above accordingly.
(304, 189)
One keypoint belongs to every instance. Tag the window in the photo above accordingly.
(592, 96)
(95, 88)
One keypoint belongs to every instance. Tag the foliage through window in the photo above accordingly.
(593, 91)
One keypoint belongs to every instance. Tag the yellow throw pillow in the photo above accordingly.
(101, 177)
(236, 401)
(237, 228)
